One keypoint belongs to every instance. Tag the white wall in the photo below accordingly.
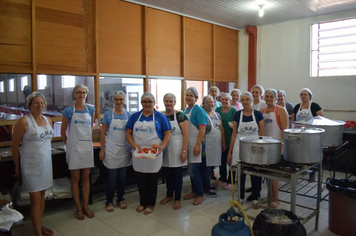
(283, 62)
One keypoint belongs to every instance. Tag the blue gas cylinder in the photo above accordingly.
(231, 223)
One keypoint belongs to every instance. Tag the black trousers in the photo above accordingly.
(147, 188)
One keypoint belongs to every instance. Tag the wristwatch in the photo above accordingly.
(184, 151)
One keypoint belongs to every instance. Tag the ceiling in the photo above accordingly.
(237, 14)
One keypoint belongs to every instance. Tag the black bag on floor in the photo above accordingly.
(276, 222)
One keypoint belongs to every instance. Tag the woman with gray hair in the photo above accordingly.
(235, 98)
(197, 124)
(148, 127)
(34, 162)
(175, 155)
(115, 150)
(281, 101)
(79, 147)
(215, 92)
(257, 93)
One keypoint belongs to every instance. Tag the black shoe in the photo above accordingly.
(311, 177)
(252, 198)
(213, 178)
(249, 190)
(211, 193)
(213, 188)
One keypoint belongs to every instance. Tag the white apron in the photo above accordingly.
(144, 134)
(213, 143)
(117, 149)
(271, 127)
(193, 136)
(36, 156)
(171, 155)
(79, 144)
(245, 129)
(304, 114)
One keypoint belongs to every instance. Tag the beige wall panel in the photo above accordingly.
(198, 50)
(65, 40)
(15, 37)
(120, 37)
(164, 43)
(71, 6)
(226, 54)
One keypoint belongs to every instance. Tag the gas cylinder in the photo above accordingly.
(231, 223)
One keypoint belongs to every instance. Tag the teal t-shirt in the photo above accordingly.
(227, 117)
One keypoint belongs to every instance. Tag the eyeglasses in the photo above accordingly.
(147, 102)
(78, 92)
(39, 103)
(118, 100)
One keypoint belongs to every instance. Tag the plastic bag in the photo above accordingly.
(276, 222)
(346, 187)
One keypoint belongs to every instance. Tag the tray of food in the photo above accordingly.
(146, 152)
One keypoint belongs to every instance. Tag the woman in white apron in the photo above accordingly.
(175, 155)
(212, 145)
(197, 124)
(79, 147)
(281, 101)
(115, 151)
(226, 113)
(215, 92)
(235, 99)
(257, 91)
(247, 122)
(34, 162)
(306, 110)
(145, 128)
(276, 120)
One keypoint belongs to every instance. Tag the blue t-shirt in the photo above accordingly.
(258, 117)
(108, 117)
(161, 122)
(198, 116)
(68, 112)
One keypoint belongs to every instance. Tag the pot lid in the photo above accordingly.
(260, 139)
(304, 130)
(319, 120)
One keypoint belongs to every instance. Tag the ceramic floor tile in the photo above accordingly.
(168, 216)
(197, 225)
(73, 226)
(139, 225)
(168, 231)
(116, 216)
(104, 231)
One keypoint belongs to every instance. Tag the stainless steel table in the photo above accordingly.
(287, 174)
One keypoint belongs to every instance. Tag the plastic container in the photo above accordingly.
(342, 205)
(149, 155)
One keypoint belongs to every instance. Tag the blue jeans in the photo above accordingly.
(115, 176)
(205, 174)
(196, 179)
(174, 181)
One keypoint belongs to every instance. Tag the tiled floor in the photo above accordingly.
(189, 220)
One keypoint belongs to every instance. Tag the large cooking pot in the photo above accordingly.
(303, 145)
(260, 150)
(333, 129)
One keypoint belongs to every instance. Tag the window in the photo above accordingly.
(11, 85)
(24, 82)
(201, 86)
(159, 87)
(41, 82)
(2, 87)
(333, 48)
(68, 81)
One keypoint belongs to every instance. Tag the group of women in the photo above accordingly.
(199, 136)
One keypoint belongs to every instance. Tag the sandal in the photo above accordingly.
(190, 196)
(148, 210)
(255, 204)
(46, 232)
(140, 209)
(79, 214)
(199, 200)
(110, 208)
(88, 212)
(165, 200)
(275, 204)
(122, 205)
(176, 205)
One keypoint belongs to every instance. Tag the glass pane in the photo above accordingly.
(337, 41)
(339, 48)
(337, 24)
(337, 57)
(201, 86)
(337, 72)
(335, 65)
(337, 32)
(133, 87)
(159, 87)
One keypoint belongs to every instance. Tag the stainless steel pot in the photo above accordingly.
(333, 129)
(260, 150)
(303, 145)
